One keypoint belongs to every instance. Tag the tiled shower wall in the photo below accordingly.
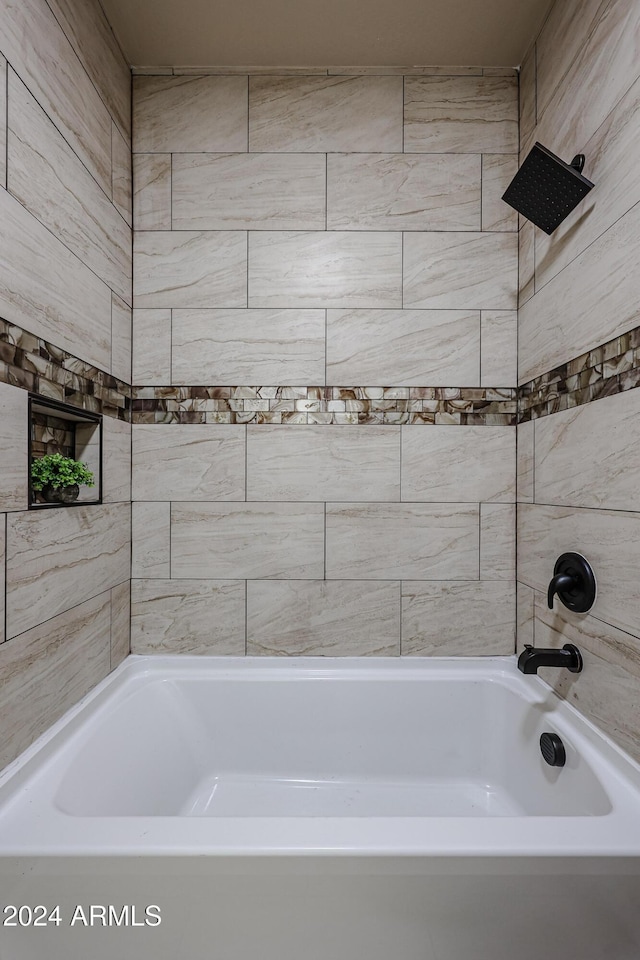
(325, 289)
(65, 333)
(580, 358)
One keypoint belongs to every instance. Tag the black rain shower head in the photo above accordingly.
(546, 189)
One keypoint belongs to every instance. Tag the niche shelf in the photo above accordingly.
(56, 427)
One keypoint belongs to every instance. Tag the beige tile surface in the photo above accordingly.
(151, 347)
(498, 170)
(152, 191)
(3, 538)
(304, 269)
(116, 463)
(499, 356)
(319, 114)
(217, 191)
(525, 616)
(121, 174)
(323, 462)
(458, 271)
(528, 118)
(387, 191)
(461, 115)
(151, 540)
(462, 464)
(3, 123)
(458, 618)
(247, 540)
(403, 347)
(121, 334)
(526, 262)
(417, 541)
(14, 433)
(47, 290)
(49, 668)
(55, 76)
(275, 347)
(59, 558)
(120, 622)
(497, 541)
(323, 618)
(188, 616)
(189, 114)
(190, 269)
(525, 461)
(193, 461)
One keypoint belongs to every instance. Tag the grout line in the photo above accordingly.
(246, 616)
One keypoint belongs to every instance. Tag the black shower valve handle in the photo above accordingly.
(574, 582)
(561, 581)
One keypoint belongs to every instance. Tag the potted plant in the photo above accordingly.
(57, 479)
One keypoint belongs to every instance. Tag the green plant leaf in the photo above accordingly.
(57, 471)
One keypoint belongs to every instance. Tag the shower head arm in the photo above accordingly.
(578, 162)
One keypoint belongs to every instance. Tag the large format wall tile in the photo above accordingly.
(403, 347)
(120, 622)
(116, 480)
(323, 618)
(498, 170)
(456, 619)
(320, 114)
(190, 269)
(460, 271)
(247, 540)
(121, 175)
(14, 443)
(279, 347)
(461, 115)
(152, 191)
(499, 355)
(121, 336)
(325, 269)
(3, 123)
(151, 540)
(47, 290)
(189, 114)
(466, 464)
(377, 191)
(326, 463)
(151, 346)
(525, 460)
(497, 541)
(59, 558)
(402, 541)
(188, 462)
(3, 586)
(49, 668)
(188, 616)
(214, 191)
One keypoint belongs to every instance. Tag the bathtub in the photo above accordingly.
(330, 808)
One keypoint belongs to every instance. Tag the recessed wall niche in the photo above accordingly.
(60, 428)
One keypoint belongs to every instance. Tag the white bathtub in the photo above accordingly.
(178, 776)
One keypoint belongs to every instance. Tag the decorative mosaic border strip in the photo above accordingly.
(337, 405)
(38, 366)
(613, 367)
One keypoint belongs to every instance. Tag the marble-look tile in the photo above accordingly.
(3, 123)
(323, 618)
(589, 456)
(152, 347)
(525, 461)
(151, 540)
(498, 170)
(190, 461)
(499, 354)
(152, 191)
(525, 616)
(468, 464)
(526, 262)
(189, 114)
(387, 191)
(458, 271)
(298, 269)
(87, 450)
(395, 541)
(121, 174)
(59, 558)
(120, 623)
(47, 290)
(190, 269)
(592, 300)
(116, 479)
(610, 540)
(279, 347)
(497, 541)
(528, 95)
(403, 347)
(45, 175)
(457, 618)
(323, 463)
(121, 334)
(409, 70)
(218, 191)
(325, 114)
(461, 115)
(3, 590)
(188, 616)
(14, 440)
(247, 540)
(49, 668)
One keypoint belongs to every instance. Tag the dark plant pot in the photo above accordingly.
(60, 494)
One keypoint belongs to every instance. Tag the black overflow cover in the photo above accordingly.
(553, 750)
